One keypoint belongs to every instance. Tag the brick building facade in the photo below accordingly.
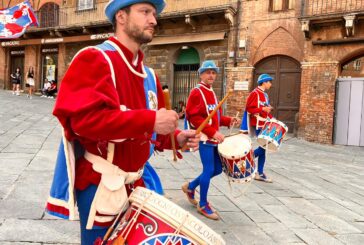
(304, 45)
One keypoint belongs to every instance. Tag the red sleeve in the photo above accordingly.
(224, 120)
(88, 104)
(252, 104)
(196, 113)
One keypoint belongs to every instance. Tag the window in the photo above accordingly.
(280, 5)
(357, 65)
(353, 68)
(85, 4)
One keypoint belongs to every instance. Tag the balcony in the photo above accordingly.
(72, 17)
(312, 9)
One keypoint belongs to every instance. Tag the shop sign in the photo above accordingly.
(10, 43)
(52, 40)
(241, 85)
(101, 36)
(50, 50)
(17, 52)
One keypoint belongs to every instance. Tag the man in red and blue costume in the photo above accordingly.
(112, 111)
(201, 102)
(257, 110)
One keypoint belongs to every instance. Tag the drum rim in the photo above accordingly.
(137, 198)
(237, 156)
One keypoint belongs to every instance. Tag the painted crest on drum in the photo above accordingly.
(152, 99)
(167, 239)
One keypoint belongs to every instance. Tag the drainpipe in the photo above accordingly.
(237, 33)
(303, 8)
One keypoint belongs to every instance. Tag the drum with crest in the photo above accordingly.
(272, 134)
(153, 219)
(237, 158)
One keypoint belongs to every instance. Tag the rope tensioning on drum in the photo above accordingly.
(134, 219)
(174, 236)
(113, 226)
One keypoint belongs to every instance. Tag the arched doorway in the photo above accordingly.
(349, 104)
(185, 74)
(284, 94)
(48, 15)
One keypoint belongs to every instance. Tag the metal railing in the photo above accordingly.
(328, 7)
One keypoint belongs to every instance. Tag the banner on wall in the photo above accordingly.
(15, 20)
(51, 72)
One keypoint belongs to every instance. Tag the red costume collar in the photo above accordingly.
(128, 54)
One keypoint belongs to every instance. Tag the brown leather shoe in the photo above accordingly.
(263, 177)
(208, 212)
(189, 193)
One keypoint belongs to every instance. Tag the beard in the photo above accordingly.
(138, 34)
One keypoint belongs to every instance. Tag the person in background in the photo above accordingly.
(201, 102)
(30, 81)
(52, 89)
(16, 79)
(258, 110)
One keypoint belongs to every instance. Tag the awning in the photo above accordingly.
(192, 38)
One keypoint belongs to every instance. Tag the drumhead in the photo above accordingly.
(175, 216)
(235, 146)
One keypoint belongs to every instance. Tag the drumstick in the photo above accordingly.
(203, 124)
(167, 103)
(232, 126)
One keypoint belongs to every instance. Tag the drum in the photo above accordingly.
(153, 219)
(272, 134)
(237, 158)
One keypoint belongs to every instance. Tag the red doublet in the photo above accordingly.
(197, 110)
(92, 111)
(254, 105)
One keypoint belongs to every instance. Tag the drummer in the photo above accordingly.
(201, 102)
(110, 104)
(259, 109)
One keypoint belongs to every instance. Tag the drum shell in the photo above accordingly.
(159, 217)
(272, 135)
(238, 163)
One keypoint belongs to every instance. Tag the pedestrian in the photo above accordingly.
(30, 81)
(182, 109)
(16, 79)
(257, 111)
(52, 89)
(113, 111)
(45, 88)
(201, 102)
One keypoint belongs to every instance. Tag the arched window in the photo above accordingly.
(48, 15)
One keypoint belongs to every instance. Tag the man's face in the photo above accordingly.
(140, 22)
(267, 85)
(208, 76)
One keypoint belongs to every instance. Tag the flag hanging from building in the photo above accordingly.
(15, 20)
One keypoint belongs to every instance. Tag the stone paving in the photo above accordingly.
(316, 198)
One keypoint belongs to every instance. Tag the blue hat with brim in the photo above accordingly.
(264, 78)
(115, 5)
(208, 65)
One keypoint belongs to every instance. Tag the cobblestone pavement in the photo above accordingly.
(316, 198)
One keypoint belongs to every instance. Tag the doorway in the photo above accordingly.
(49, 67)
(16, 60)
(284, 94)
(185, 74)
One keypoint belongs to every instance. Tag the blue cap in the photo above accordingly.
(208, 65)
(115, 5)
(264, 78)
